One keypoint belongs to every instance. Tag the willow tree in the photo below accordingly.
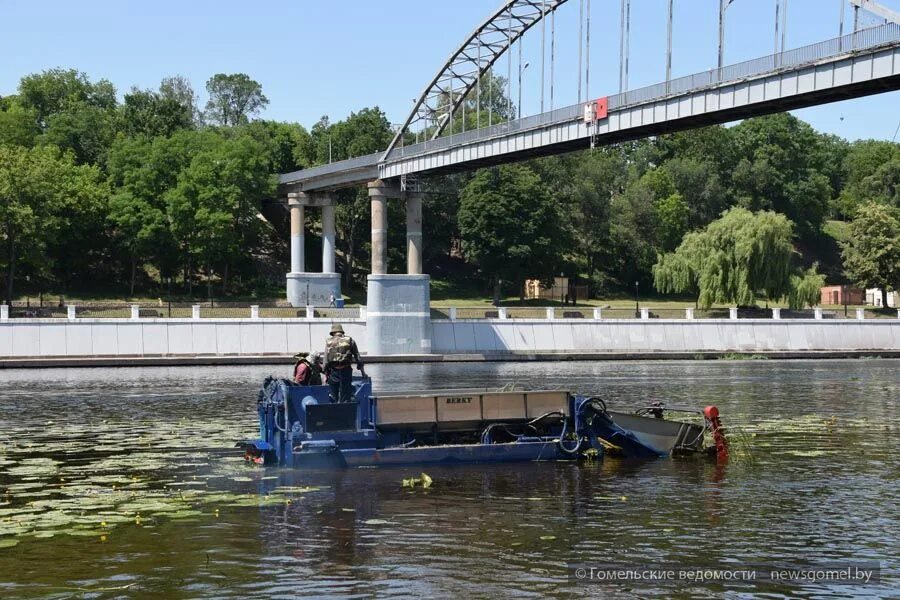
(737, 259)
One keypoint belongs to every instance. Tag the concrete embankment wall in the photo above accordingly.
(717, 335)
(477, 338)
(21, 338)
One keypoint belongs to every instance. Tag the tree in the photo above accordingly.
(214, 209)
(87, 130)
(178, 89)
(510, 226)
(233, 99)
(150, 113)
(55, 90)
(782, 167)
(872, 252)
(18, 124)
(42, 192)
(736, 259)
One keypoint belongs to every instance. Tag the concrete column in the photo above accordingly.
(551, 313)
(362, 313)
(70, 311)
(817, 312)
(195, 311)
(298, 241)
(254, 311)
(733, 313)
(598, 314)
(689, 314)
(645, 313)
(378, 194)
(501, 312)
(310, 312)
(453, 313)
(135, 312)
(414, 233)
(328, 237)
(776, 313)
(4, 312)
(860, 313)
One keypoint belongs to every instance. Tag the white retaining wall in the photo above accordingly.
(166, 337)
(582, 335)
(190, 337)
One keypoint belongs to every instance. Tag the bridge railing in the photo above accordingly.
(861, 40)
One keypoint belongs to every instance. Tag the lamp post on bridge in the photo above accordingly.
(521, 70)
(723, 6)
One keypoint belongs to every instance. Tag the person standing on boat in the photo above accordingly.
(340, 354)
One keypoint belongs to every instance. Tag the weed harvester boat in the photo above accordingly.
(299, 426)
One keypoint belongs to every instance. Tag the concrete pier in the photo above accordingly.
(398, 314)
(304, 288)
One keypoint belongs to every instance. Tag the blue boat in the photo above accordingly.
(299, 426)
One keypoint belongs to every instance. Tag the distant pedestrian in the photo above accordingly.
(340, 354)
(331, 301)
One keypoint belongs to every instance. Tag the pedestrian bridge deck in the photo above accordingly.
(859, 64)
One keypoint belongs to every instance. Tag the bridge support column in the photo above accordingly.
(298, 241)
(328, 237)
(414, 233)
(304, 288)
(398, 312)
(379, 192)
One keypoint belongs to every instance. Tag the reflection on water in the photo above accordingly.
(132, 473)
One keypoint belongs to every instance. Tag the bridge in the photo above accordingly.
(433, 139)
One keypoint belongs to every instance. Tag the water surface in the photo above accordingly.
(124, 483)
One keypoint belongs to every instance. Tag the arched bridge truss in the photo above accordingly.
(440, 101)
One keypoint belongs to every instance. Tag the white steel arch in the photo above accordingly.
(461, 73)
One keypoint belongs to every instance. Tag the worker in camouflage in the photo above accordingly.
(340, 354)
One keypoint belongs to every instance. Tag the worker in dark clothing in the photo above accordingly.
(340, 354)
(315, 361)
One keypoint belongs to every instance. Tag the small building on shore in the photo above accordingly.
(562, 290)
(842, 294)
(874, 298)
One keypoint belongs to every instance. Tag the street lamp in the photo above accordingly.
(637, 306)
(723, 6)
(521, 70)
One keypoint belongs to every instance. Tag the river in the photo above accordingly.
(125, 483)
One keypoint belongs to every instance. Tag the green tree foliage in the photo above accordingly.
(872, 251)
(18, 124)
(43, 195)
(780, 168)
(737, 259)
(56, 90)
(510, 226)
(233, 99)
(806, 288)
(150, 113)
(179, 89)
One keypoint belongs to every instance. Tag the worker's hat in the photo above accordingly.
(336, 328)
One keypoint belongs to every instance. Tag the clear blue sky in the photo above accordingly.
(331, 57)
